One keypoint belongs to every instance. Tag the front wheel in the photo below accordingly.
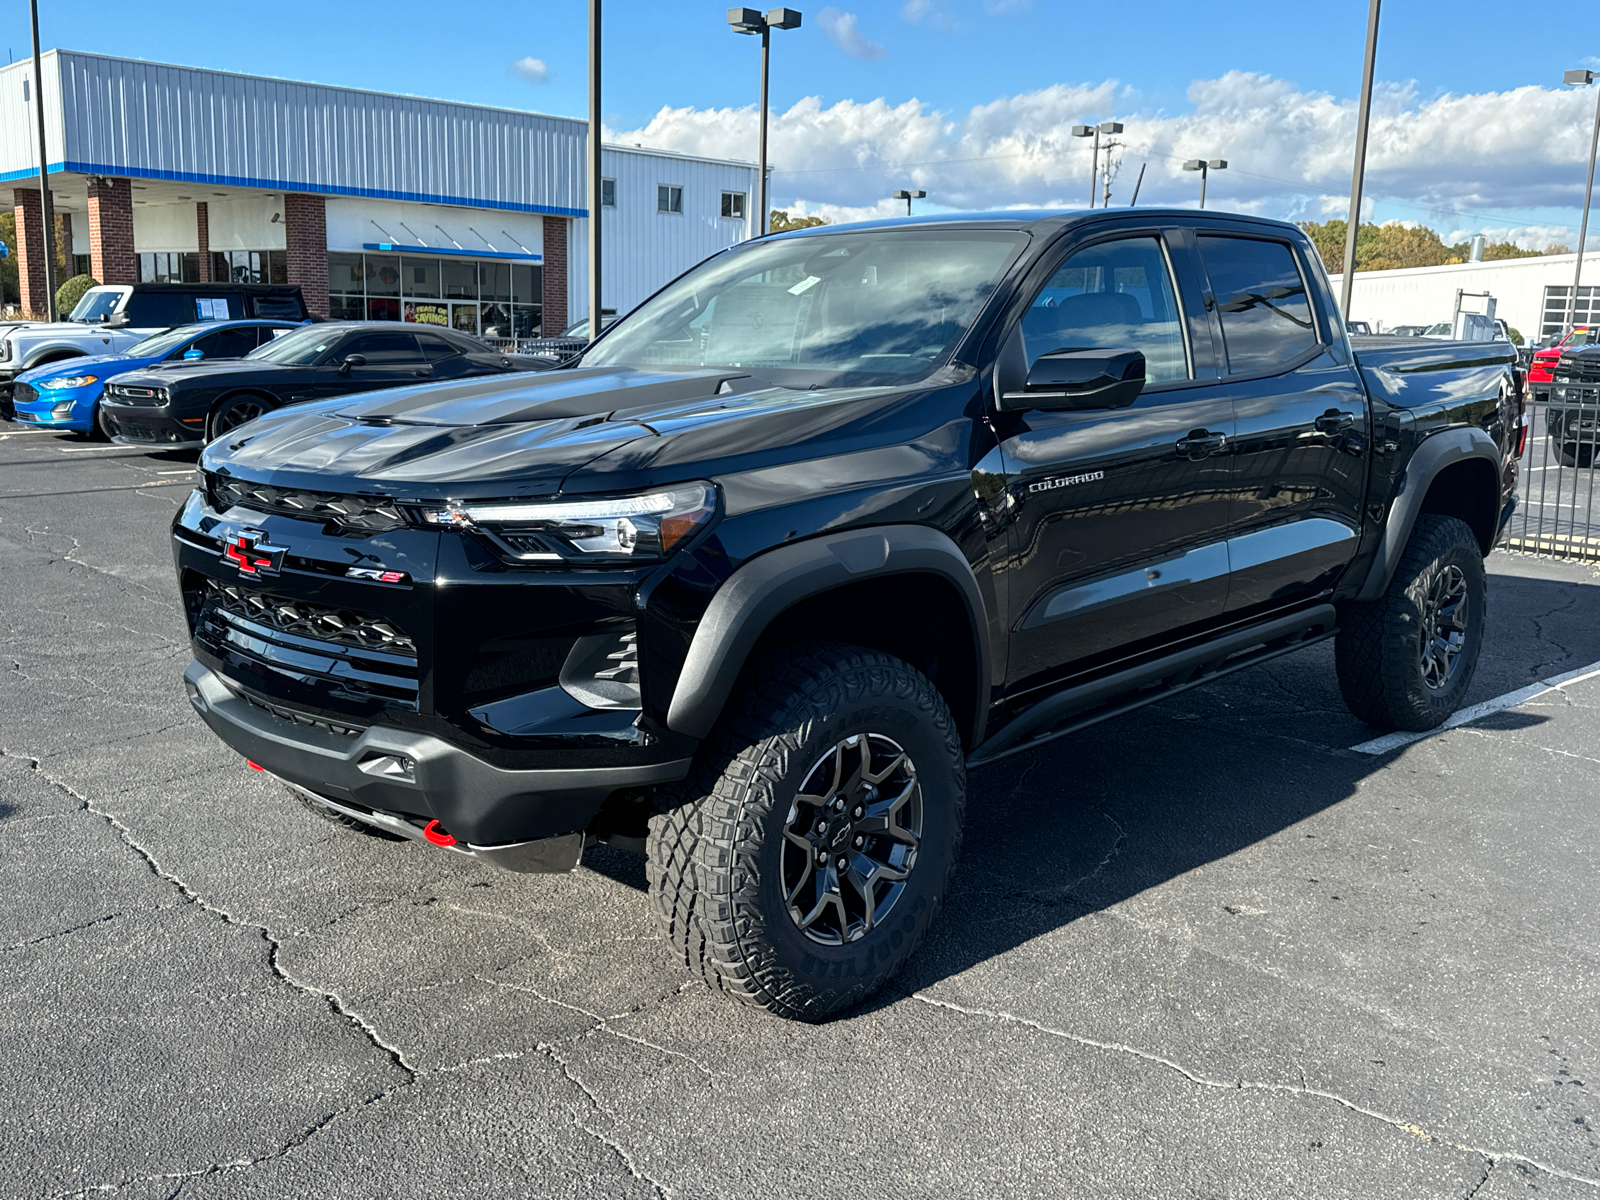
(234, 412)
(1406, 661)
(100, 430)
(820, 834)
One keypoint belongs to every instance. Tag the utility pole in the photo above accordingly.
(1108, 175)
(1357, 176)
(1137, 184)
(1582, 78)
(593, 173)
(46, 210)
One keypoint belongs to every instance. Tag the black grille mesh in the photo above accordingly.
(317, 621)
(372, 514)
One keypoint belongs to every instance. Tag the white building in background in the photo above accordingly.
(380, 206)
(1530, 293)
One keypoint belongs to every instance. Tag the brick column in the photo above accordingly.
(202, 232)
(111, 256)
(30, 250)
(554, 276)
(305, 239)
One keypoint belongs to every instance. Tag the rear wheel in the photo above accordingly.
(1406, 661)
(234, 412)
(819, 834)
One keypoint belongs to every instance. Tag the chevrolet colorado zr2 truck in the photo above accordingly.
(831, 519)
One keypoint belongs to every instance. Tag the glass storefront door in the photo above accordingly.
(464, 317)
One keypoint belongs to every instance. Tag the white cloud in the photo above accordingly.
(1447, 161)
(842, 32)
(533, 70)
(929, 13)
(999, 8)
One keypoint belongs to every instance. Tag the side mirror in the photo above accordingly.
(1081, 378)
(352, 360)
(116, 321)
(192, 353)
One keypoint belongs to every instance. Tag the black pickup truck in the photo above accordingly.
(831, 519)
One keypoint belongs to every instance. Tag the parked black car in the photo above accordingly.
(193, 403)
(564, 345)
(835, 517)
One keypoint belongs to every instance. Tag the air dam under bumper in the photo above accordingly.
(492, 811)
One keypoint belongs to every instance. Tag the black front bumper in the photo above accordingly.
(136, 425)
(395, 771)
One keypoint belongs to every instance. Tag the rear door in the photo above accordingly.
(1119, 516)
(1300, 454)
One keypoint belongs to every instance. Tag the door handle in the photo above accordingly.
(422, 372)
(1334, 421)
(1200, 443)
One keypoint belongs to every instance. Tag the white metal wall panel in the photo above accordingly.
(642, 249)
(179, 123)
(18, 130)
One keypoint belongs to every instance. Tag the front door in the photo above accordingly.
(1300, 456)
(392, 358)
(1119, 516)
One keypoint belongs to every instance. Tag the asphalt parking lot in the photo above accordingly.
(1205, 950)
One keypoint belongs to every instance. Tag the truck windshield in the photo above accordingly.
(300, 348)
(879, 306)
(158, 344)
(97, 304)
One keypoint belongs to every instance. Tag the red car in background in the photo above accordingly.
(1544, 361)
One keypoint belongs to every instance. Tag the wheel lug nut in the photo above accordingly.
(843, 862)
(822, 856)
(859, 812)
(838, 805)
(860, 841)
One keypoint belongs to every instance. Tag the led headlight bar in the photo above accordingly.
(637, 528)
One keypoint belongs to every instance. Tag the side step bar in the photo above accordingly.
(1081, 705)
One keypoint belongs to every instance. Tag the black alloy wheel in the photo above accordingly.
(1445, 609)
(236, 412)
(851, 839)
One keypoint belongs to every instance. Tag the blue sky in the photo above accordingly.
(1140, 63)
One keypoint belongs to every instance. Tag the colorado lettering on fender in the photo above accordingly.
(1045, 485)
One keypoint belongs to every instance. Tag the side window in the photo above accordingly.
(1112, 296)
(226, 343)
(1261, 297)
(383, 349)
(436, 349)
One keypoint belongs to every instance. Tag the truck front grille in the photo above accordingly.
(317, 621)
(369, 514)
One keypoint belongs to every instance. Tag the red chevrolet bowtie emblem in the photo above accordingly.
(250, 552)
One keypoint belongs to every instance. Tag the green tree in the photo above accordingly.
(8, 265)
(1391, 246)
(781, 220)
(70, 292)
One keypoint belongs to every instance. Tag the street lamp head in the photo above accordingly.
(1110, 126)
(900, 194)
(1083, 131)
(783, 18)
(746, 20)
(1578, 78)
(1218, 164)
(1195, 164)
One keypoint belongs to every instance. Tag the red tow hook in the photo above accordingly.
(254, 766)
(435, 833)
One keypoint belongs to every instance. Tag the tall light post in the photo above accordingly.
(46, 210)
(1106, 127)
(908, 196)
(1358, 173)
(749, 20)
(1205, 167)
(1583, 79)
(593, 190)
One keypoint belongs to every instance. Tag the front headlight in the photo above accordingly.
(638, 528)
(71, 381)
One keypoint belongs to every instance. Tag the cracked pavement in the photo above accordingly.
(1203, 950)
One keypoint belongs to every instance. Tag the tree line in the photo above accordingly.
(1391, 246)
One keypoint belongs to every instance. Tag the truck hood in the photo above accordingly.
(537, 434)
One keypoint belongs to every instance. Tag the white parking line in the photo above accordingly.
(1393, 741)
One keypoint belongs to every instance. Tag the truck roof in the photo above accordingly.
(1035, 218)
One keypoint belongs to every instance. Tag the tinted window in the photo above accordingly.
(1114, 296)
(279, 306)
(383, 348)
(436, 348)
(227, 343)
(1266, 317)
(146, 309)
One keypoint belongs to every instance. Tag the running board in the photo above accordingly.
(1086, 704)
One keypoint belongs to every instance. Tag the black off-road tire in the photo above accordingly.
(716, 865)
(337, 818)
(1379, 650)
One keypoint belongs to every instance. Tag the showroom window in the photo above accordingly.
(249, 266)
(669, 199)
(733, 204)
(493, 298)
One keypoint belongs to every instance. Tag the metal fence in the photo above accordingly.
(1558, 509)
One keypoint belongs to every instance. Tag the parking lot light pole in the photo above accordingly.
(593, 198)
(1583, 79)
(1094, 131)
(46, 210)
(908, 196)
(749, 20)
(1359, 171)
(1205, 167)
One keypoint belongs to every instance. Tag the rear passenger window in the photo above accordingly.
(1113, 296)
(1261, 296)
(381, 349)
(436, 348)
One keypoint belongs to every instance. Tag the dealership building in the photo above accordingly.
(379, 206)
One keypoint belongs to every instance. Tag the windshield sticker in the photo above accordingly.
(805, 285)
(1061, 481)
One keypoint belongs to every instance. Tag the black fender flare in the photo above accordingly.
(1434, 454)
(760, 590)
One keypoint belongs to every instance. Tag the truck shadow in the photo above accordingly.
(1075, 827)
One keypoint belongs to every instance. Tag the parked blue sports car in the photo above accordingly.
(66, 394)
